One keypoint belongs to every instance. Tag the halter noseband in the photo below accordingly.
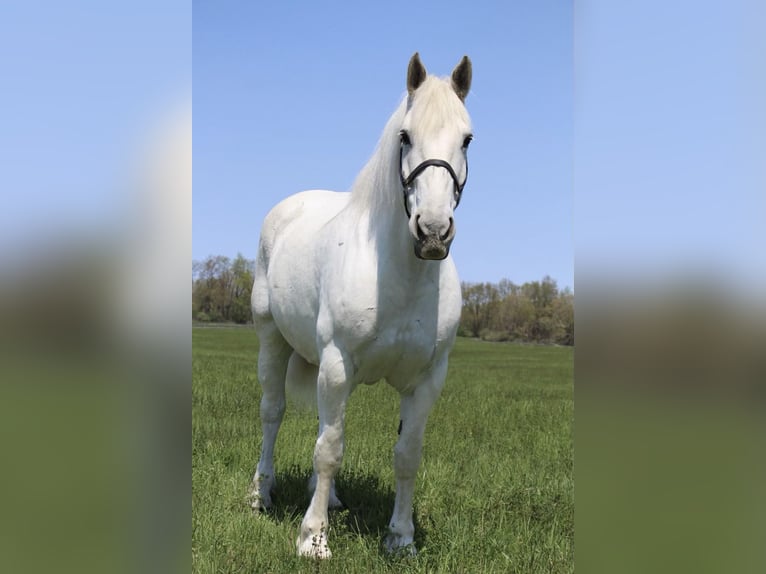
(409, 180)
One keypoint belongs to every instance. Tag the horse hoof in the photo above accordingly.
(398, 545)
(314, 547)
(259, 503)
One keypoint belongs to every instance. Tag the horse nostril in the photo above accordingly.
(449, 230)
(421, 234)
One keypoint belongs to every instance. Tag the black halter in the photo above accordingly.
(409, 180)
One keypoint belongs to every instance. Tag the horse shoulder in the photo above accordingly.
(291, 261)
(349, 293)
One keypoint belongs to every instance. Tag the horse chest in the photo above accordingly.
(396, 347)
(398, 324)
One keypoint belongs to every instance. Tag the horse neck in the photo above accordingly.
(377, 200)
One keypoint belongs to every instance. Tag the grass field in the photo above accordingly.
(494, 491)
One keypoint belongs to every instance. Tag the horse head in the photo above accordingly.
(433, 162)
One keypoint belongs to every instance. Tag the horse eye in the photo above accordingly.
(404, 137)
(467, 141)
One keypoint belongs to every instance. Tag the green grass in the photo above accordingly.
(494, 491)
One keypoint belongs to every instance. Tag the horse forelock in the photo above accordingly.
(435, 105)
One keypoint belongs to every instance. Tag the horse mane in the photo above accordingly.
(377, 187)
(373, 185)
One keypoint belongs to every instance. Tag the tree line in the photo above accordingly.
(534, 312)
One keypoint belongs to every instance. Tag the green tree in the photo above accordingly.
(221, 288)
(242, 285)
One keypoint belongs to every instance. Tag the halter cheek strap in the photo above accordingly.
(410, 179)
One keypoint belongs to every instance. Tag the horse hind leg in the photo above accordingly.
(272, 367)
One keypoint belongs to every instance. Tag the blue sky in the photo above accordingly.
(291, 96)
(670, 139)
(83, 85)
(643, 145)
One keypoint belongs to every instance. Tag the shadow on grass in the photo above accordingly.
(367, 503)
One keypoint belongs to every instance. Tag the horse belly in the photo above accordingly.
(294, 313)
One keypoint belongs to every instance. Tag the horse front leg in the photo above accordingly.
(333, 388)
(408, 451)
(333, 501)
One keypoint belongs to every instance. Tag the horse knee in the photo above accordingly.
(407, 460)
(328, 452)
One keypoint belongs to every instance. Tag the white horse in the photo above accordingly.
(356, 287)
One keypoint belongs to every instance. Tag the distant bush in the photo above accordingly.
(494, 336)
(202, 317)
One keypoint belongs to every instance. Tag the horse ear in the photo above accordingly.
(461, 77)
(416, 73)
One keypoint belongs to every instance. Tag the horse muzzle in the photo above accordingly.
(433, 246)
